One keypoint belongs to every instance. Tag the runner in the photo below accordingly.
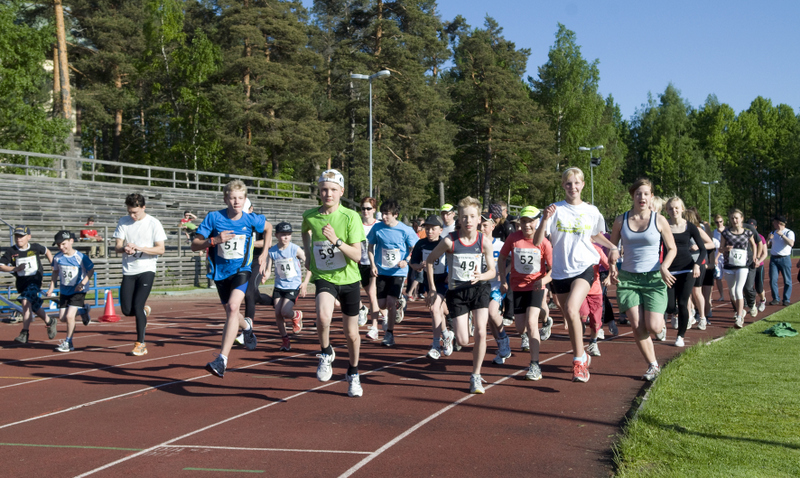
(286, 256)
(592, 307)
(140, 238)
(24, 261)
(644, 276)
(332, 236)
(390, 244)
(72, 270)
(739, 248)
(573, 226)
(708, 279)
(498, 298)
(706, 270)
(467, 251)
(227, 234)
(368, 210)
(760, 301)
(719, 221)
(419, 261)
(448, 212)
(530, 273)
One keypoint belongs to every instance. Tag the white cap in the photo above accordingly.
(247, 205)
(332, 176)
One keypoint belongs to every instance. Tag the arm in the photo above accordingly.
(435, 254)
(502, 268)
(670, 250)
(762, 251)
(538, 236)
(262, 259)
(616, 235)
(265, 275)
(613, 251)
(488, 254)
(130, 248)
(708, 243)
(307, 248)
(785, 236)
(119, 246)
(53, 279)
(301, 256)
(753, 246)
(351, 251)
(702, 254)
(372, 267)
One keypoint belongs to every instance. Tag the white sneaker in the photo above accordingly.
(385, 321)
(507, 322)
(476, 384)
(762, 306)
(702, 323)
(662, 336)
(325, 370)
(739, 321)
(674, 321)
(240, 339)
(434, 353)
(692, 321)
(526, 343)
(601, 335)
(593, 349)
(612, 328)
(753, 311)
(544, 332)
(363, 314)
(401, 308)
(354, 388)
(372, 333)
(679, 342)
(447, 339)
(534, 372)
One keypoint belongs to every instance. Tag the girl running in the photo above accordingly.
(739, 249)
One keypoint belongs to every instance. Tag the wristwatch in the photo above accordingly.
(339, 243)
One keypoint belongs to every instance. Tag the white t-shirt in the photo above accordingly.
(779, 246)
(143, 233)
(571, 229)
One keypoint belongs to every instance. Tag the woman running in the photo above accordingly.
(706, 269)
(719, 221)
(739, 248)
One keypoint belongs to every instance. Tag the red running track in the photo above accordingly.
(100, 412)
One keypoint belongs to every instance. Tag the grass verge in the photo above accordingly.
(729, 408)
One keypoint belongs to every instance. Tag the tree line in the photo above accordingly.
(264, 88)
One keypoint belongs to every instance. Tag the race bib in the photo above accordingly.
(68, 275)
(465, 266)
(327, 257)
(737, 257)
(233, 248)
(31, 266)
(390, 258)
(285, 268)
(527, 261)
(440, 266)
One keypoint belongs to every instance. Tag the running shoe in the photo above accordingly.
(363, 314)
(504, 347)
(775, 302)
(139, 349)
(507, 322)
(526, 343)
(385, 321)
(147, 311)
(22, 337)
(354, 385)
(679, 342)
(217, 367)
(534, 372)
(692, 321)
(593, 349)
(623, 319)
(674, 321)
(250, 340)
(52, 328)
(325, 369)
(239, 339)
(500, 359)
(297, 322)
(601, 335)
(64, 346)
(476, 384)
(544, 332)
(388, 339)
(753, 311)
(285, 344)
(372, 333)
(402, 303)
(580, 370)
(612, 328)
(652, 373)
(447, 339)
(662, 336)
(739, 321)
(762, 306)
(787, 303)
(85, 317)
(434, 353)
(702, 323)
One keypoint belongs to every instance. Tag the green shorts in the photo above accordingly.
(644, 288)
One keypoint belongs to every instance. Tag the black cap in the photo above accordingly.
(22, 230)
(780, 218)
(62, 236)
(512, 218)
(283, 227)
(91, 219)
(433, 220)
(752, 222)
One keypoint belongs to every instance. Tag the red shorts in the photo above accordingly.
(592, 307)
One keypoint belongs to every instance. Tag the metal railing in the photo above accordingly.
(139, 174)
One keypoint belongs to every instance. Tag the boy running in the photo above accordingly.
(498, 297)
(227, 234)
(332, 236)
(72, 269)
(390, 244)
(140, 238)
(286, 256)
(24, 261)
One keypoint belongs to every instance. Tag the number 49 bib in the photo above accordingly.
(465, 266)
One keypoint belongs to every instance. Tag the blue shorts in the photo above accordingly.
(497, 296)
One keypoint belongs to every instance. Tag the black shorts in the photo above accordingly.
(461, 301)
(389, 286)
(563, 286)
(366, 274)
(226, 286)
(708, 278)
(278, 294)
(439, 283)
(349, 295)
(75, 300)
(702, 277)
(527, 298)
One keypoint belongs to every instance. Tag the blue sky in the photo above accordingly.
(735, 49)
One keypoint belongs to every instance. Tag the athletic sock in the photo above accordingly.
(328, 350)
(582, 358)
(594, 340)
(654, 364)
(224, 359)
(352, 370)
(502, 334)
(247, 325)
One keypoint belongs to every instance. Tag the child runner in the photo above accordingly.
(530, 273)
(497, 297)
(332, 236)
(468, 290)
(592, 307)
(390, 244)
(140, 238)
(368, 210)
(72, 269)
(227, 234)
(573, 226)
(24, 261)
(286, 256)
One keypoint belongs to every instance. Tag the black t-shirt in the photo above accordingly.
(257, 250)
(502, 231)
(683, 258)
(417, 255)
(33, 264)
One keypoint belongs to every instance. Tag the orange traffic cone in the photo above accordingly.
(108, 314)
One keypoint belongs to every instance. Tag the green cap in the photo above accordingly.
(447, 207)
(531, 212)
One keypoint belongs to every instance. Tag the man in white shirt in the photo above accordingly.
(781, 241)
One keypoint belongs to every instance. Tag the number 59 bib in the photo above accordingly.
(327, 257)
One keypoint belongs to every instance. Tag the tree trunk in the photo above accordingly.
(248, 133)
(61, 36)
(57, 111)
(117, 121)
(379, 31)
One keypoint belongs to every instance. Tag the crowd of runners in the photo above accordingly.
(477, 269)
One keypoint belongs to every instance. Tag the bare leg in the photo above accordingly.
(234, 322)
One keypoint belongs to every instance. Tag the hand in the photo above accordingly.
(667, 276)
(374, 271)
(549, 211)
(476, 277)
(19, 268)
(79, 287)
(504, 287)
(329, 233)
(607, 281)
(614, 276)
(430, 298)
(225, 236)
(696, 271)
(402, 265)
(303, 290)
(771, 236)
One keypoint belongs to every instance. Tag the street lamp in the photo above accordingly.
(380, 74)
(709, 183)
(593, 163)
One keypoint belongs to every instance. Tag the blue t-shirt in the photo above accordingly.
(287, 266)
(71, 270)
(391, 246)
(236, 255)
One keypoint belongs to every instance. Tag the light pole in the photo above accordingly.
(593, 163)
(380, 74)
(709, 183)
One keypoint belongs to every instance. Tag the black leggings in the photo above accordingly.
(251, 295)
(682, 289)
(133, 294)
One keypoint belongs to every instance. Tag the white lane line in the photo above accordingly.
(234, 448)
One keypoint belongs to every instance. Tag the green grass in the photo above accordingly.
(726, 409)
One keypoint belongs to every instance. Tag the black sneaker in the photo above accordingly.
(787, 302)
(22, 337)
(775, 302)
(85, 317)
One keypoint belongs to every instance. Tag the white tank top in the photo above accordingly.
(641, 250)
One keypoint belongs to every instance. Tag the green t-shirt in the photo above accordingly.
(328, 262)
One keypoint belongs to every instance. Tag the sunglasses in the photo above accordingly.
(366, 209)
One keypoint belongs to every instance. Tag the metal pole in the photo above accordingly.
(592, 171)
(370, 137)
